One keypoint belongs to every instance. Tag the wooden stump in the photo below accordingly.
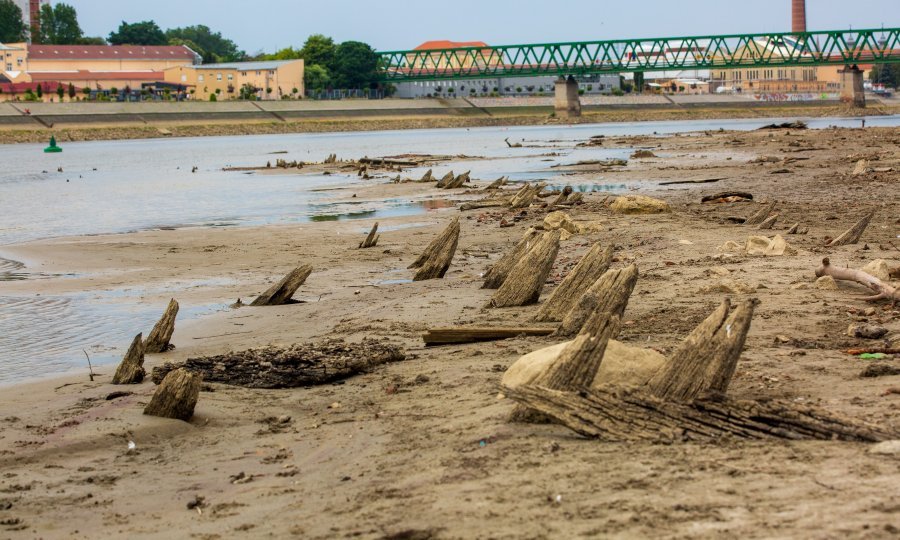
(176, 397)
(853, 235)
(371, 240)
(526, 196)
(562, 196)
(608, 294)
(591, 268)
(484, 203)
(498, 273)
(435, 260)
(158, 340)
(496, 184)
(131, 369)
(526, 280)
(427, 177)
(706, 360)
(458, 182)
(578, 363)
(761, 215)
(630, 414)
(768, 223)
(281, 293)
(442, 183)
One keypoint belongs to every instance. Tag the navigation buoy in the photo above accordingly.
(52, 149)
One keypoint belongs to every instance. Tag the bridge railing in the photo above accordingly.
(837, 47)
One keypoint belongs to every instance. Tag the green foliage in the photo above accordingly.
(40, 91)
(140, 33)
(59, 25)
(12, 24)
(887, 74)
(355, 65)
(212, 97)
(71, 91)
(288, 53)
(94, 40)
(86, 91)
(60, 91)
(618, 92)
(316, 77)
(318, 50)
(248, 92)
(212, 46)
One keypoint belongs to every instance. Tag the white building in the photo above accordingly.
(31, 11)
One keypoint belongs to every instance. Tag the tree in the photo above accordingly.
(316, 77)
(355, 65)
(92, 40)
(318, 50)
(59, 25)
(140, 33)
(12, 25)
(288, 53)
(887, 74)
(60, 91)
(71, 91)
(212, 46)
(40, 91)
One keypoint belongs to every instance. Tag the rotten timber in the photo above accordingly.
(498, 273)
(852, 235)
(609, 294)
(474, 334)
(435, 260)
(591, 268)
(159, 338)
(526, 280)
(281, 293)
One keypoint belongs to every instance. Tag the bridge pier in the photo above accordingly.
(567, 103)
(852, 91)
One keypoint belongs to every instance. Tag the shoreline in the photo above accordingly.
(105, 128)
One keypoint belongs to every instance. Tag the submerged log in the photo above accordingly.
(630, 414)
(706, 360)
(131, 369)
(497, 184)
(458, 182)
(591, 268)
(609, 294)
(853, 235)
(526, 280)
(176, 396)
(435, 261)
(158, 340)
(473, 334)
(484, 203)
(526, 196)
(561, 199)
(293, 367)
(281, 293)
(761, 215)
(498, 273)
(442, 183)
(371, 240)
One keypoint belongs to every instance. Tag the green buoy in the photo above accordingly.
(52, 149)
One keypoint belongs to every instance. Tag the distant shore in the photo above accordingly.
(90, 122)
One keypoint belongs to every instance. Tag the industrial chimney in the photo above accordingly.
(799, 16)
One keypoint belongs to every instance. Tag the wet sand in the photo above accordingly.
(421, 448)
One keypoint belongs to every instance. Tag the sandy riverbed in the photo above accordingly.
(421, 448)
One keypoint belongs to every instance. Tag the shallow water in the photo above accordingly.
(119, 186)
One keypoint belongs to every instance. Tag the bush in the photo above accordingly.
(581, 91)
(518, 89)
(212, 97)
(113, 90)
(618, 92)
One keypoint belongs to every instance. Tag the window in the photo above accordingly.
(19, 61)
(8, 67)
(184, 78)
(230, 77)
(218, 76)
(200, 78)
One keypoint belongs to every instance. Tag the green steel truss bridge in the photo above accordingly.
(840, 47)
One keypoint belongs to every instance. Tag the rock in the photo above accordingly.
(560, 220)
(728, 286)
(719, 271)
(639, 204)
(642, 154)
(176, 397)
(866, 331)
(878, 268)
(730, 247)
(131, 369)
(622, 365)
(886, 448)
(757, 245)
(826, 283)
(879, 370)
(590, 227)
(862, 167)
(777, 246)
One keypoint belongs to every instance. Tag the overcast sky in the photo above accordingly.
(399, 25)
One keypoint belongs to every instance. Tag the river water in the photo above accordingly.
(122, 186)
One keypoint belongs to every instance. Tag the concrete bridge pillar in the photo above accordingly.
(567, 104)
(852, 90)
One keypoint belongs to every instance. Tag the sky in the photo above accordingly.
(268, 25)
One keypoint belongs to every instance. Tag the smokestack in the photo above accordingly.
(799, 16)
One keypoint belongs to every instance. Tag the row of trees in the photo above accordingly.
(350, 64)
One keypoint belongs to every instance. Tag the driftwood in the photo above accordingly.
(700, 181)
(292, 367)
(882, 290)
(435, 260)
(853, 235)
(761, 215)
(512, 145)
(524, 283)
(591, 268)
(628, 414)
(442, 183)
(281, 293)
(131, 369)
(484, 203)
(609, 294)
(578, 363)
(371, 240)
(458, 182)
(706, 360)
(727, 195)
(526, 196)
(796, 229)
(769, 223)
(473, 334)
(561, 199)
(427, 177)
(498, 273)
(176, 396)
(158, 340)
(497, 184)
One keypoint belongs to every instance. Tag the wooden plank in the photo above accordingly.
(473, 334)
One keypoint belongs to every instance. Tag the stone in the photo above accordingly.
(730, 247)
(728, 286)
(560, 220)
(622, 365)
(639, 204)
(862, 167)
(866, 331)
(886, 448)
(719, 271)
(826, 283)
(643, 154)
(763, 246)
(878, 268)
